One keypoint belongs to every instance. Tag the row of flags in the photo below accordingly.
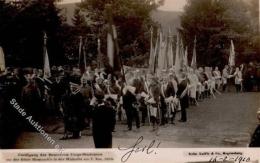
(162, 56)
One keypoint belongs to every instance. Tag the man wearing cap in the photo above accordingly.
(103, 125)
(255, 140)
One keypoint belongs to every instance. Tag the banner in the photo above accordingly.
(170, 51)
(177, 57)
(231, 61)
(151, 59)
(194, 55)
(2, 60)
(46, 66)
(110, 49)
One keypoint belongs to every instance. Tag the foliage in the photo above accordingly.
(215, 23)
(131, 18)
(23, 29)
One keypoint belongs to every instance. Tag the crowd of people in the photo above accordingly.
(99, 99)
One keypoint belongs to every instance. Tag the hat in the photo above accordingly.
(99, 95)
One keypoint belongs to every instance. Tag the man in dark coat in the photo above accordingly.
(183, 95)
(250, 77)
(255, 140)
(73, 112)
(10, 119)
(58, 90)
(102, 117)
(130, 106)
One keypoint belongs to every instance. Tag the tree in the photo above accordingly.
(23, 39)
(132, 20)
(215, 23)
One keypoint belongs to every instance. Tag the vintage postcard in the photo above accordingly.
(130, 81)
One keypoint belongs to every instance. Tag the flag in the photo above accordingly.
(2, 60)
(151, 59)
(47, 69)
(157, 50)
(181, 54)
(46, 66)
(99, 57)
(110, 49)
(185, 57)
(162, 60)
(160, 52)
(231, 60)
(177, 55)
(194, 55)
(169, 51)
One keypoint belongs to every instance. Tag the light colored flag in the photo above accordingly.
(161, 53)
(232, 54)
(177, 55)
(2, 60)
(162, 61)
(110, 49)
(194, 55)
(170, 50)
(113, 52)
(185, 57)
(46, 69)
(151, 59)
(46, 66)
(181, 54)
(156, 51)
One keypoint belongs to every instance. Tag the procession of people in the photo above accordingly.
(100, 99)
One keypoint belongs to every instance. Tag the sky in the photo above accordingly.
(169, 5)
(173, 5)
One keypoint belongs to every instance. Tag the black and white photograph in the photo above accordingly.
(129, 74)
